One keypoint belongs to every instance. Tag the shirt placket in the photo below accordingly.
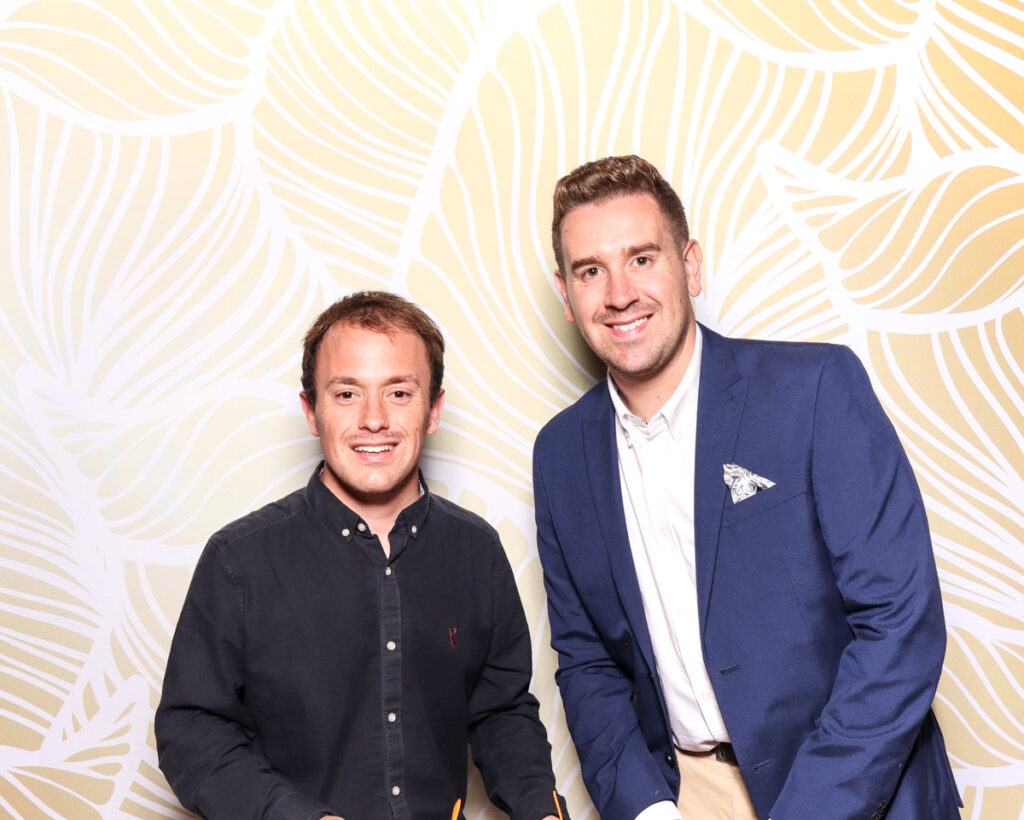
(391, 690)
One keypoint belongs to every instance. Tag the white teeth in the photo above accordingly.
(634, 324)
(380, 448)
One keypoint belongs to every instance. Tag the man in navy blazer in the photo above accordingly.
(763, 605)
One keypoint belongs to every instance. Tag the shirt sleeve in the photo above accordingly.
(662, 810)
(206, 741)
(509, 742)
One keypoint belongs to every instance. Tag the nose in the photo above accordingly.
(621, 292)
(373, 415)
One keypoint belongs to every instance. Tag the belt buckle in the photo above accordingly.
(726, 754)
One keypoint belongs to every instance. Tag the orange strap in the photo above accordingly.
(558, 805)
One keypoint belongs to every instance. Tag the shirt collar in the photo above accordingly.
(677, 412)
(348, 523)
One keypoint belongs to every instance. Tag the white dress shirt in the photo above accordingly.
(656, 469)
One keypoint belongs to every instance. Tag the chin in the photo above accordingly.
(376, 490)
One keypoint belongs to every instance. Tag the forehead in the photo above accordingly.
(611, 222)
(358, 352)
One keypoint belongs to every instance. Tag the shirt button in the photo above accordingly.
(396, 791)
(415, 529)
(391, 645)
(663, 532)
(361, 527)
(707, 694)
(346, 532)
(387, 571)
(392, 717)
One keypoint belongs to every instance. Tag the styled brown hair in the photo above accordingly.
(616, 176)
(381, 312)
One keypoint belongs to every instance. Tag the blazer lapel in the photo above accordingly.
(602, 460)
(719, 410)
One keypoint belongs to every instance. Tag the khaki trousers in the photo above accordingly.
(711, 789)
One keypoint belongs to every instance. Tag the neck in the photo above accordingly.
(379, 511)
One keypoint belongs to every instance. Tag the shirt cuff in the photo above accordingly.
(540, 804)
(296, 806)
(662, 810)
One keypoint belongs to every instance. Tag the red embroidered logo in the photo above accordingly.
(451, 634)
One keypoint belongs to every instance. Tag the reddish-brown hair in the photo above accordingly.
(382, 312)
(610, 177)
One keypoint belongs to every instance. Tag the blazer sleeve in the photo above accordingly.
(597, 693)
(873, 522)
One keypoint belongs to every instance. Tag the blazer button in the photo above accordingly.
(670, 759)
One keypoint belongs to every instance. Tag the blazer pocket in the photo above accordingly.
(735, 512)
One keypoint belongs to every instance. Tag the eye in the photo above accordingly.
(643, 261)
(589, 273)
(345, 395)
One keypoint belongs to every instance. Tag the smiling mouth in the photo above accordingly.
(373, 448)
(628, 326)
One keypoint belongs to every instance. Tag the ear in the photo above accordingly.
(310, 414)
(434, 417)
(693, 258)
(564, 290)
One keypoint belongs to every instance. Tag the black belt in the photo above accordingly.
(724, 752)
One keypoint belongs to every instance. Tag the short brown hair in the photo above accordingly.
(382, 312)
(616, 176)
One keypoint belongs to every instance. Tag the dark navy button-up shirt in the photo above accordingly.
(312, 674)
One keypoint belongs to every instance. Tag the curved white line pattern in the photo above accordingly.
(186, 185)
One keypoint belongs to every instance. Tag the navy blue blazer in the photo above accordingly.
(820, 615)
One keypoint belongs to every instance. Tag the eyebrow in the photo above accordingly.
(339, 381)
(632, 250)
(647, 247)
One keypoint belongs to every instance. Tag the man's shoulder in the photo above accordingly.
(783, 375)
(469, 540)
(588, 406)
(461, 519)
(752, 355)
(276, 517)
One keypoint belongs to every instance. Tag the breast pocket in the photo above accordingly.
(739, 511)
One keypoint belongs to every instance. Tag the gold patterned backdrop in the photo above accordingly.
(186, 184)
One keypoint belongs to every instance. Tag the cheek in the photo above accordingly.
(585, 305)
(332, 425)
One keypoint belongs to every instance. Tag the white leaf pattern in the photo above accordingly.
(187, 184)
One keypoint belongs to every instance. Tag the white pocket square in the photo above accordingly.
(742, 483)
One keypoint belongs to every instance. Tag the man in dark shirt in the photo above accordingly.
(338, 648)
